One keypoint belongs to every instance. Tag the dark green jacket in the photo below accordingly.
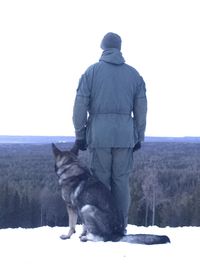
(110, 106)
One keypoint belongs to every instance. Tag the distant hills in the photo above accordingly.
(186, 139)
(14, 139)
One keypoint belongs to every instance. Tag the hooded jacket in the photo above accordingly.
(110, 106)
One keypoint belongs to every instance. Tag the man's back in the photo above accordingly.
(114, 85)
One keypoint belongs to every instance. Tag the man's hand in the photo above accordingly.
(137, 146)
(81, 144)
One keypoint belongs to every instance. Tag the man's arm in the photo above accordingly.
(140, 110)
(80, 109)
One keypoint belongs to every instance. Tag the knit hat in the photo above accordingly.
(111, 40)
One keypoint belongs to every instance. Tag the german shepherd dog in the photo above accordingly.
(85, 196)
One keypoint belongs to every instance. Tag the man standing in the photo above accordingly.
(110, 118)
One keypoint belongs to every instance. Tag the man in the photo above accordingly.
(110, 118)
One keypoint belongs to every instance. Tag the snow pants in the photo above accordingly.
(113, 166)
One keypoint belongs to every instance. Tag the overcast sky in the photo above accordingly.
(46, 45)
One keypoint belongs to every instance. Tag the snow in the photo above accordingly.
(43, 247)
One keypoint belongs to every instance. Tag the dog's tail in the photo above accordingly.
(145, 239)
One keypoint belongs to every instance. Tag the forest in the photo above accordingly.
(165, 185)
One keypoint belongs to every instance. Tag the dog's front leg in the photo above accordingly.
(72, 214)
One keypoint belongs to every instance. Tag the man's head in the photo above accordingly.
(111, 40)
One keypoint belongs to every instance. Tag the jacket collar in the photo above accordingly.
(113, 56)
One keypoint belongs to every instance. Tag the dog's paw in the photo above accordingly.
(71, 232)
(64, 237)
(83, 238)
(84, 233)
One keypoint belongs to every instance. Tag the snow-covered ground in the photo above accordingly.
(43, 247)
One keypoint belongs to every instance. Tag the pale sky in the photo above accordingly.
(46, 45)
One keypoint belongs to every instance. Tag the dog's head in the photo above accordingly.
(66, 163)
(64, 157)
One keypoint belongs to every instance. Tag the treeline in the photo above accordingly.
(29, 191)
(165, 186)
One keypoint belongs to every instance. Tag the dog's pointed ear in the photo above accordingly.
(56, 151)
(74, 149)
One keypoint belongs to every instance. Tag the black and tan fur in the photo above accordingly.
(86, 197)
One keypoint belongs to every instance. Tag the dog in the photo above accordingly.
(87, 197)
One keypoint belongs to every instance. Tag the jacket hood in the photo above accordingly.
(113, 56)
